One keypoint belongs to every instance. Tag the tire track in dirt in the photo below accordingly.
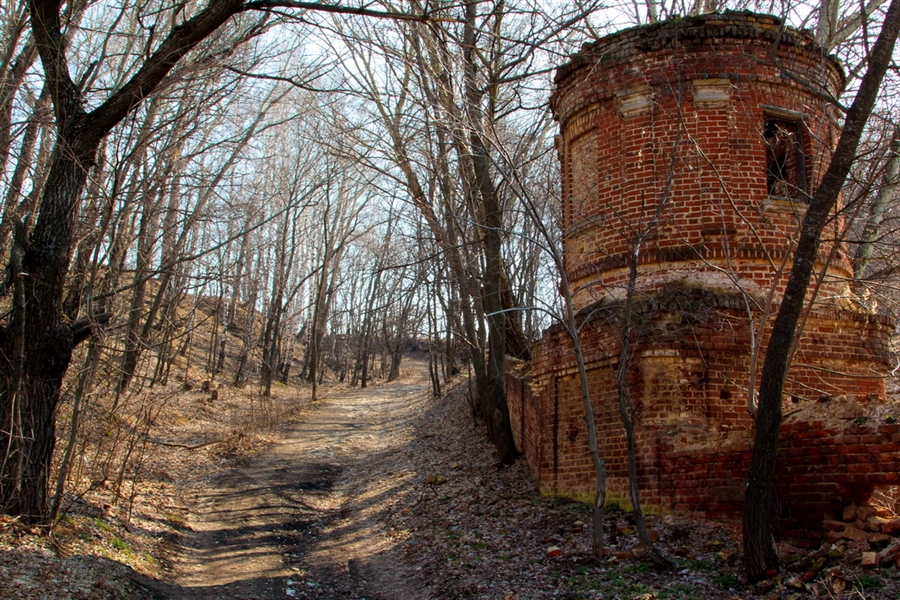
(304, 519)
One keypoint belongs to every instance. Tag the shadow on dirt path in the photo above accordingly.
(304, 519)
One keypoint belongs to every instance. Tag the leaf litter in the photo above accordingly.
(453, 524)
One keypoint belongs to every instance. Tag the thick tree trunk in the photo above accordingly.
(31, 378)
(493, 394)
(396, 360)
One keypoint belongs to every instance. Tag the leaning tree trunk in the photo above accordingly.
(759, 512)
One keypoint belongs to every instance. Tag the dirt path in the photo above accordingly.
(304, 518)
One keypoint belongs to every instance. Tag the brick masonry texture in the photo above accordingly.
(663, 157)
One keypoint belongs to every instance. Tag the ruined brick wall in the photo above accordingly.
(689, 374)
(686, 145)
(822, 467)
(523, 411)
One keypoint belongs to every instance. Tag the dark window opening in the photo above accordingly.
(785, 160)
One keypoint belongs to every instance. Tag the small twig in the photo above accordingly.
(185, 446)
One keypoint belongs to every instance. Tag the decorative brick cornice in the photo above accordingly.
(694, 31)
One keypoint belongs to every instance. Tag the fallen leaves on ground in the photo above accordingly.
(466, 528)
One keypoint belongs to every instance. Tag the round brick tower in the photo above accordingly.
(689, 151)
(693, 144)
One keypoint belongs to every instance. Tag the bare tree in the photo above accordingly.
(439, 90)
(84, 116)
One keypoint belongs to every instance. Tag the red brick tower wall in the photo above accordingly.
(692, 145)
(662, 134)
